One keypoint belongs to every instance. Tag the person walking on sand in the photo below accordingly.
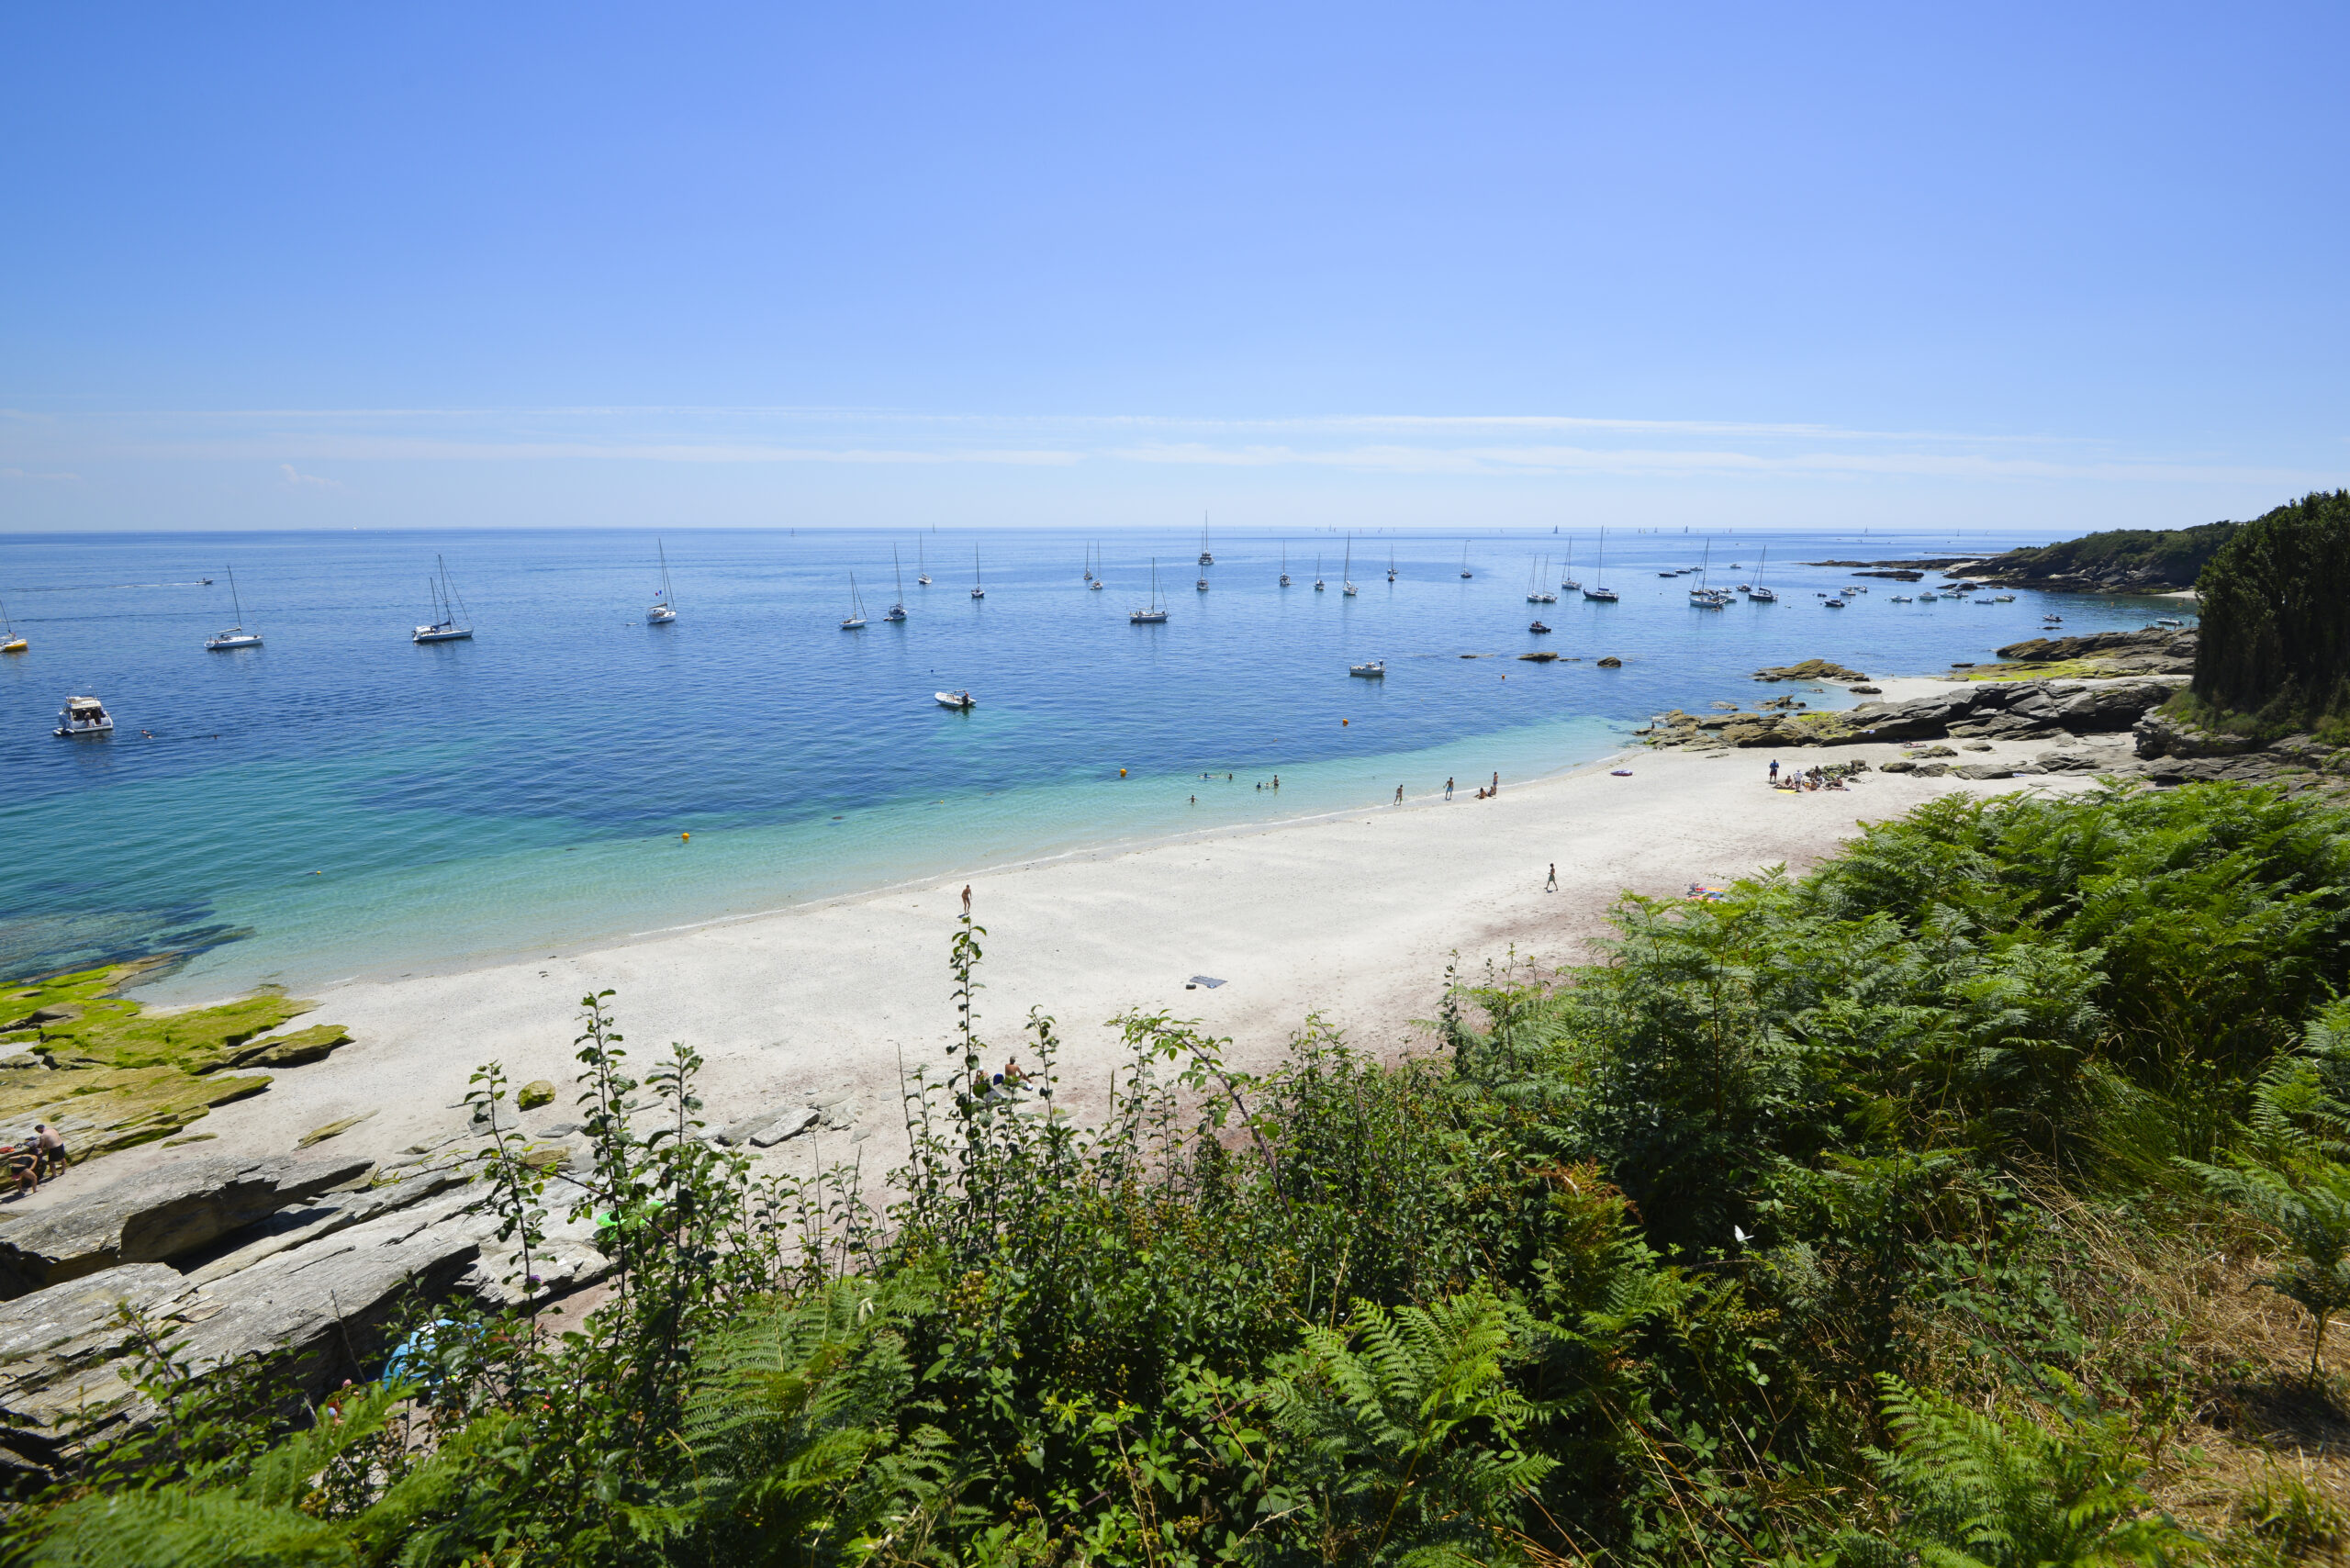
(1448, 788)
(1552, 885)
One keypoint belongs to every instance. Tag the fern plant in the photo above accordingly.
(2013, 1491)
(1409, 1432)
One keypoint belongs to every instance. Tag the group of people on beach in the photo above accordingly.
(1815, 778)
(31, 1159)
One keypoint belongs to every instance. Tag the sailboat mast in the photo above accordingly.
(233, 599)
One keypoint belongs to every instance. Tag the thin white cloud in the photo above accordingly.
(27, 475)
(293, 479)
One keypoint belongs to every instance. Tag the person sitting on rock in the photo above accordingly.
(24, 1167)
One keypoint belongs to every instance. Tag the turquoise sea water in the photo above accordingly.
(341, 801)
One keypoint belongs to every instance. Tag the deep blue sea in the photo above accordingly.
(341, 801)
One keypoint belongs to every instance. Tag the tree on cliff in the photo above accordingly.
(2276, 638)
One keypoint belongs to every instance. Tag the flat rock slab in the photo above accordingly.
(163, 1215)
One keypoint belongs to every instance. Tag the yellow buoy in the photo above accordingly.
(684, 836)
(1344, 722)
(1121, 773)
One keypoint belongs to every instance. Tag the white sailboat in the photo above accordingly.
(977, 591)
(1285, 563)
(855, 620)
(1464, 560)
(1154, 616)
(665, 603)
(445, 627)
(1758, 592)
(1535, 592)
(1205, 559)
(897, 611)
(1347, 572)
(1567, 573)
(922, 573)
(1088, 562)
(1093, 578)
(1391, 565)
(1318, 586)
(1701, 596)
(235, 637)
(1599, 592)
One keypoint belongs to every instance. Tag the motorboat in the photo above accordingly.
(445, 627)
(2168, 620)
(1928, 597)
(1155, 615)
(1539, 629)
(665, 605)
(235, 637)
(855, 620)
(84, 716)
(1833, 604)
(1903, 599)
(1375, 670)
(958, 699)
(2011, 599)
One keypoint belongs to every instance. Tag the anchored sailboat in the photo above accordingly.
(665, 603)
(235, 637)
(9, 642)
(1758, 591)
(1347, 572)
(1391, 565)
(977, 591)
(1464, 560)
(1205, 559)
(922, 573)
(855, 620)
(1535, 592)
(897, 610)
(1317, 573)
(1155, 615)
(1285, 563)
(1567, 573)
(1598, 592)
(445, 605)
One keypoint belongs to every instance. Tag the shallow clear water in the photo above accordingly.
(343, 801)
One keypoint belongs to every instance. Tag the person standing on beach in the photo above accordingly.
(1552, 885)
(1399, 794)
(1497, 787)
(1448, 788)
(1774, 772)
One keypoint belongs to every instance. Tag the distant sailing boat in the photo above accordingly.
(1391, 565)
(1701, 596)
(977, 591)
(1758, 590)
(922, 573)
(1317, 573)
(1464, 560)
(9, 642)
(1285, 563)
(445, 604)
(1088, 562)
(1567, 573)
(235, 637)
(856, 621)
(1347, 572)
(665, 603)
(897, 611)
(1205, 559)
(1093, 578)
(1154, 616)
(1598, 592)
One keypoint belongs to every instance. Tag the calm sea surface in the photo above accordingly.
(341, 801)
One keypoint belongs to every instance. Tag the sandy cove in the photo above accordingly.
(1354, 915)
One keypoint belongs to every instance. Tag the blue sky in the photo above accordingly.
(1460, 266)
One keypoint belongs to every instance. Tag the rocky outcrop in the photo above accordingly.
(2159, 734)
(2027, 710)
(168, 1214)
(2157, 650)
(1811, 669)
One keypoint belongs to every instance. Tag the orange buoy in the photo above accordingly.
(1344, 722)
(684, 836)
(1121, 773)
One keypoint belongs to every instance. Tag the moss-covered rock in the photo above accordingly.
(537, 1093)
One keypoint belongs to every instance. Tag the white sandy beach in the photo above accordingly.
(1355, 915)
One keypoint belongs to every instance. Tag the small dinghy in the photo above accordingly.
(1539, 629)
(957, 699)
